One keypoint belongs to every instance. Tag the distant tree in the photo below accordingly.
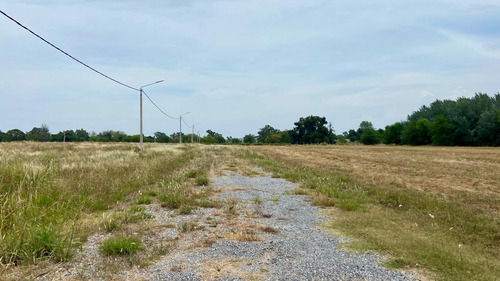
(463, 134)
(286, 137)
(4, 137)
(68, 136)
(16, 135)
(417, 132)
(393, 133)
(161, 137)
(442, 131)
(341, 140)
(211, 133)
(82, 135)
(311, 129)
(39, 134)
(208, 139)
(266, 131)
(217, 137)
(136, 138)
(352, 135)
(370, 136)
(365, 125)
(232, 140)
(249, 138)
(488, 128)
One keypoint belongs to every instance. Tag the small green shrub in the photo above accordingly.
(151, 193)
(202, 181)
(121, 246)
(144, 200)
(172, 200)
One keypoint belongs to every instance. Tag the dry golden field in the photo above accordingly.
(469, 174)
(432, 209)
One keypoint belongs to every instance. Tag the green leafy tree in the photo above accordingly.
(352, 135)
(442, 131)
(370, 137)
(249, 138)
(161, 137)
(417, 133)
(312, 129)
(16, 135)
(488, 128)
(393, 133)
(217, 137)
(82, 135)
(4, 137)
(208, 139)
(39, 134)
(266, 131)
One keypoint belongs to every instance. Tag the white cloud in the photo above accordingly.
(239, 65)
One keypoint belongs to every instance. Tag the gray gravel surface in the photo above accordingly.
(298, 251)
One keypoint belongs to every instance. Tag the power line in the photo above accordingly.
(86, 65)
(62, 51)
(186, 123)
(158, 107)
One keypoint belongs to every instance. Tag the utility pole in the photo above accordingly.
(141, 137)
(192, 133)
(180, 126)
(140, 91)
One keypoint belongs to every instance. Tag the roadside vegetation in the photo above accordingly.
(53, 196)
(431, 209)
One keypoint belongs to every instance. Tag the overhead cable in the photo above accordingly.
(62, 51)
(185, 123)
(157, 106)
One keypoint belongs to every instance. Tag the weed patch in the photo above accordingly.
(123, 245)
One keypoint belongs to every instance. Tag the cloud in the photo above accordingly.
(239, 65)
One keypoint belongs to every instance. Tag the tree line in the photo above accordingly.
(463, 122)
(466, 122)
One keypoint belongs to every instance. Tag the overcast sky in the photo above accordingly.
(239, 65)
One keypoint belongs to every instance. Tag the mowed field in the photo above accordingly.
(430, 208)
(471, 175)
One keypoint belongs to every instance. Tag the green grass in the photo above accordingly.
(46, 189)
(121, 246)
(454, 243)
(144, 200)
(202, 180)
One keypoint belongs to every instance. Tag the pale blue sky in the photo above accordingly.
(239, 65)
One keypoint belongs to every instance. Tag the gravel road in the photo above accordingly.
(292, 247)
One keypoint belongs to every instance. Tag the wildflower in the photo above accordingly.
(431, 215)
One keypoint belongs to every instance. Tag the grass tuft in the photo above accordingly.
(120, 246)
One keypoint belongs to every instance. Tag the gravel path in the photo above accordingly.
(289, 245)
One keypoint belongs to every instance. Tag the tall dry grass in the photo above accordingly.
(47, 190)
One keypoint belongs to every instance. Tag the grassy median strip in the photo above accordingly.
(439, 235)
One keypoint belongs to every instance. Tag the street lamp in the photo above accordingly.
(180, 126)
(140, 90)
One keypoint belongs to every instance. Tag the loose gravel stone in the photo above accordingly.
(298, 251)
